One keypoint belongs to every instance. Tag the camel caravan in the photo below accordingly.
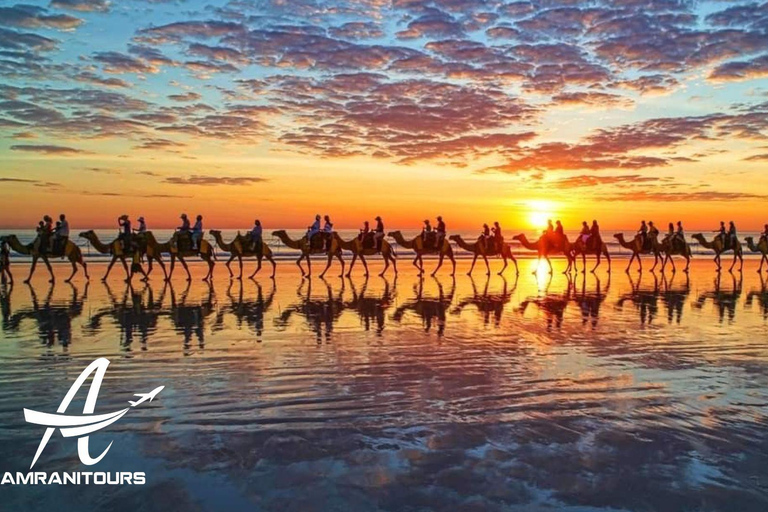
(134, 246)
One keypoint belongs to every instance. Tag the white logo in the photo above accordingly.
(81, 426)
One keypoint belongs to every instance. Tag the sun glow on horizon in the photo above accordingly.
(539, 212)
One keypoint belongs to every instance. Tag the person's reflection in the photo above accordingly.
(53, 320)
(371, 309)
(131, 313)
(488, 304)
(5, 304)
(431, 310)
(761, 296)
(320, 314)
(589, 302)
(189, 319)
(724, 300)
(645, 300)
(247, 311)
(675, 298)
(553, 305)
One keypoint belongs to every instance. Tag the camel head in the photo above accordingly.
(214, 232)
(279, 232)
(455, 238)
(87, 234)
(698, 236)
(518, 237)
(393, 233)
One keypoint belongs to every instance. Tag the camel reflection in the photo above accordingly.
(431, 310)
(248, 312)
(53, 320)
(646, 299)
(487, 304)
(371, 309)
(761, 296)
(135, 313)
(189, 318)
(724, 300)
(319, 314)
(553, 305)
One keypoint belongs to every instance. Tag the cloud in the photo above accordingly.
(588, 180)
(116, 62)
(357, 30)
(664, 197)
(196, 179)
(187, 96)
(82, 5)
(160, 145)
(47, 149)
(29, 16)
(757, 158)
(741, 70)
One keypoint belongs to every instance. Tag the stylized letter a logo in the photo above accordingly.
(100, 367)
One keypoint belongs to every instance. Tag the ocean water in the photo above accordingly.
(530, 392)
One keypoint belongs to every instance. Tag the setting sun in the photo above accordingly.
(539, 212)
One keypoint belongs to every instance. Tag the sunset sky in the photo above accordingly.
(478, 110)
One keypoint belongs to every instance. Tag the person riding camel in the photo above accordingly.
(426, 231)
(313, 229)
(670, 236)
(124, 223)
(722, 234)
(642, 233)
(364, 231)
(441, 231)
(142, 226)
(47, 242)
(497, 236)
(197, 233)
(585, 232)
(256, 237)
(680, 233)
(732, 237)
(653, 231)
(764, 234)
(378, 235)
(328, 232)
(550, 229)
(5, 262)
(594, 235)
(61, 234)
(559, 234)
(486, 237)
(182, 232)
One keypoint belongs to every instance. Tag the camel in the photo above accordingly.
(431, 310)
(761, 247)
(247, 311)
(372, 309)
(205, 252)
(543, 248)
(320, 314)
(486, 303)
(241, 247)
(71, 251)
(583, 248)
(478, 249)
(358, 251)
(417, 245)
(724, 300)
(668, 248)
(307, 250)
(637, 248)
(115, 248)
(717, 246)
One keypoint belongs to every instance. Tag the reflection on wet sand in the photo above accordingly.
(725, 299)
(535, 393)
(431, 310)
(488, 303)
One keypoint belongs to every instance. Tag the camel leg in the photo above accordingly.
(717, 262)
(655, 262)
(274, 266)
(227, 264)
(597, 263)
(50, 269)
(31, 269)
(639, 263)
(394, 265)
(298, 262)
(162, 267)
(309, 265)
(186, 268)
(687, 263)
(763, 259)
(487, 267)
(365, 264)
(472, 266)
(504, 258)
(170, 272)
(439, 264)
(453, 265)
(209, 275)
(421, 270)
(327, 265)
(341, 260)
(631, 259)
(240, 262)
(74, 271)
(128, 273)
(109, 268)
(549, 262)
(352, 264)
(386, 264)
(608, 259)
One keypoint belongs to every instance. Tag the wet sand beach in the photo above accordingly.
(601, 392)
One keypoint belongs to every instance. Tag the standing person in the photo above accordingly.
(142, 226)
(378, 235)
(441, 231)
(197, 233)
(497, 236)
(5, 262)
(61, 234)
(124, 224)
(256, 237)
